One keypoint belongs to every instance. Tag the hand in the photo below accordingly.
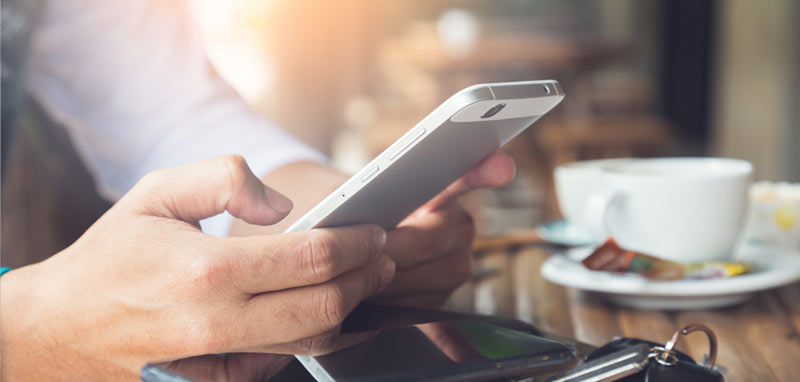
(145, 284)
(432, 246)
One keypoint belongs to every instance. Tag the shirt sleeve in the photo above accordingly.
(130, 81)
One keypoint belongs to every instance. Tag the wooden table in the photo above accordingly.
(758, 341)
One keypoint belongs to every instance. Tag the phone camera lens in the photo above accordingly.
(493, 110)
(546, 89)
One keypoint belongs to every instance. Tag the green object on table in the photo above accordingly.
(499, 342)
(641, 265)
(3, 270)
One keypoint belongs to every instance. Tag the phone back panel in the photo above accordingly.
(433, 154)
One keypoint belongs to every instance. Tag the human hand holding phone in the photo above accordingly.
(448, 153)
(145, 284)
(432, 246)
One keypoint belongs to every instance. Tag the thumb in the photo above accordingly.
(199, 190)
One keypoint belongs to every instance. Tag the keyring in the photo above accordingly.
(666, 355)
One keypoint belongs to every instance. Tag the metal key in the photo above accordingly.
(611, 367)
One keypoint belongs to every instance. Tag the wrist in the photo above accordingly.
(19, 338)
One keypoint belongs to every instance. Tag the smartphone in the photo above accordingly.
(407, 344)
(452, 350)
(457, 135)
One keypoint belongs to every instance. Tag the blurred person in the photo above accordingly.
(154, 279)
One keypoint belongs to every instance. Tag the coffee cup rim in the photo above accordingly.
(713, 167)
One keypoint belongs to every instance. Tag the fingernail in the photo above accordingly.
(380, 238)
(386, 270)
(277, 201)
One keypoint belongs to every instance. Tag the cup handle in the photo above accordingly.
(596, 212)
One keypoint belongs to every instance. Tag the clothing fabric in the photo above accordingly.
(130, 81)
(19, 17)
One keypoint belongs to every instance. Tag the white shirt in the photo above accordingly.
(130, 81)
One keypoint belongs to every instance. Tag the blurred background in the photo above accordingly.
(642, 78)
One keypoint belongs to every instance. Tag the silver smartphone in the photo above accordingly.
(457, 135)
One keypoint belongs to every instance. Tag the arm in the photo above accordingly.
(130, 81)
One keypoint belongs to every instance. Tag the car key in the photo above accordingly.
(640, 360)
(610, 367)
(669, 368)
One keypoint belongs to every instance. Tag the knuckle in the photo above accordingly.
(152, 177)
(331, 307)
(235, 162)
(235, 169)
(317, 256)
(314, 346)
(306, 346)
(365, 245)
(207, 334)
(208, 272)
(152, 181)
(371, 281)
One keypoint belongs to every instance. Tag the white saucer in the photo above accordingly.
(772, 268)
(564, 233)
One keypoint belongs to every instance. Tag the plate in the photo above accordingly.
(565, 233)
(773, 268)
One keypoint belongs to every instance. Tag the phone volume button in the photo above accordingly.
(370, 173)
(407, 142)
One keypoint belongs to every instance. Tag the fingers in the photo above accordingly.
(322, 344)
(203, 189)
(308, 311)
(422, 238)
(439, 277)
(495, 171)
(278, 262)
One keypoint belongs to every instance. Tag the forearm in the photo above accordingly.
(9, 308)
(305, 183)
(33, 347)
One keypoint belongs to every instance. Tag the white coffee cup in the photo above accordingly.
(574, 183)
(682, 209)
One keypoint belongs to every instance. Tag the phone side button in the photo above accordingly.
(370, 173)
(407, 142)
(326, 208)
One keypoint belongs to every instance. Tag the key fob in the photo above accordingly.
(663, 364)
(681, 371)
(623, 342)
